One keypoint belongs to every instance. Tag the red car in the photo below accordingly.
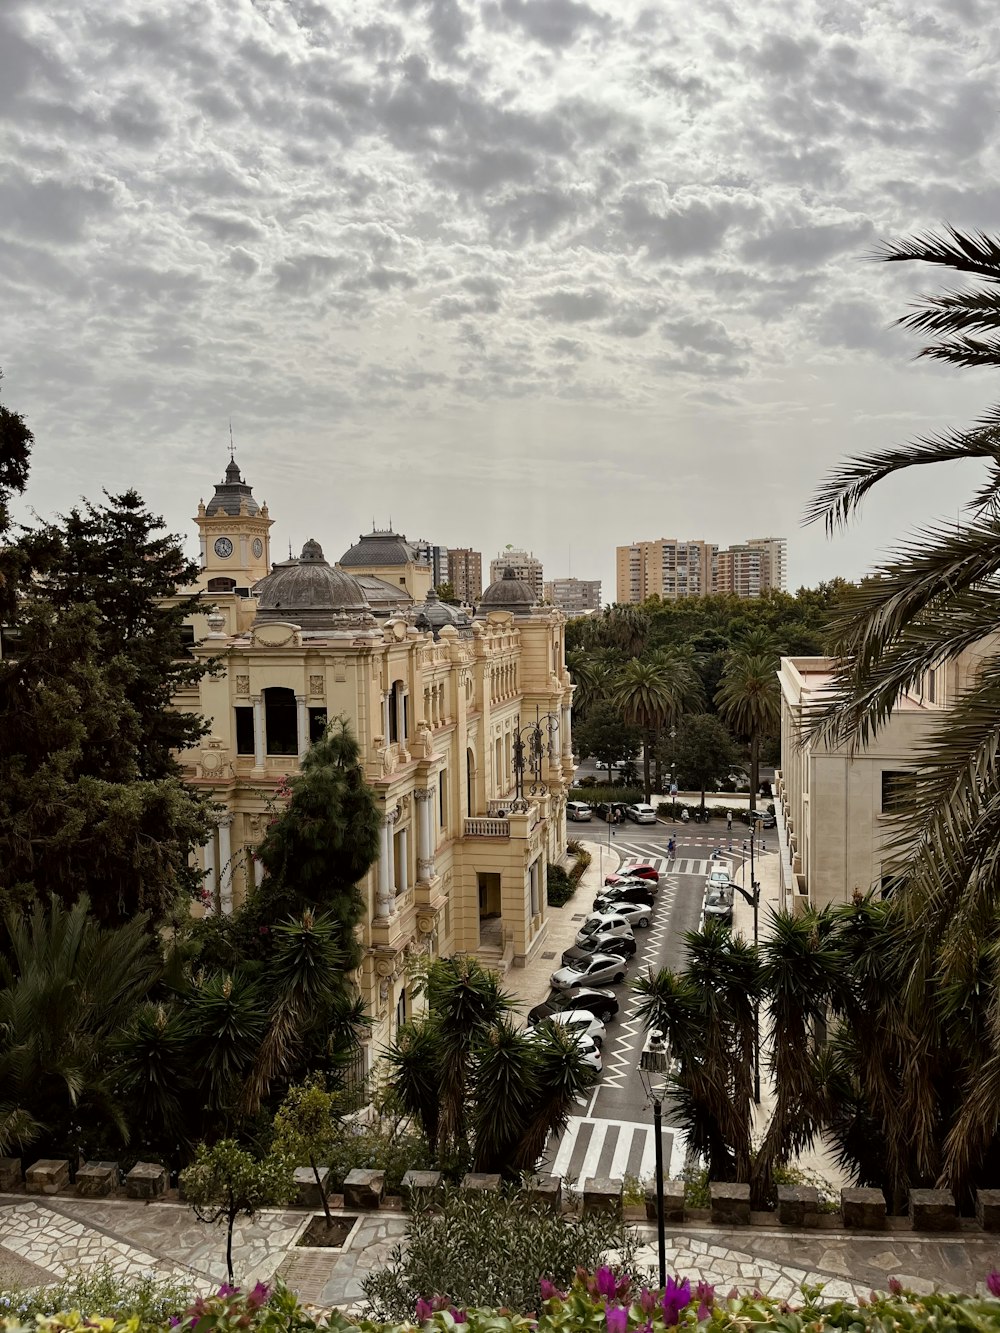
(642, 870)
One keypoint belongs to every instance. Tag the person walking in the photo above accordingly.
(729, 821)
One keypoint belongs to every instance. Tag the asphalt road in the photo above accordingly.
(612, 1135)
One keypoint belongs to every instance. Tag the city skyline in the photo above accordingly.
(566, 271)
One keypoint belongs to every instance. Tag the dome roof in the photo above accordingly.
(379, 550)
(230, 493)
(508, 594)
(308, 591)
(433, 614)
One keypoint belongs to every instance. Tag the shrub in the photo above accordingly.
(616, 792)
(493, 1250)
(559, 887)
(377, 1147)
(151, 1300)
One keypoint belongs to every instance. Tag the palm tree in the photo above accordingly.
(647, 697)
(748, 700)
(625, 627)
(681, 663)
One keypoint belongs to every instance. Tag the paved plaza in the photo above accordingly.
(44, 1240)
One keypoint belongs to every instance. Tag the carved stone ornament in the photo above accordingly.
(317, 685)
(392, 815)
(242, 684)
(425, 923)
(423, 793)
(404, 803)
(256, 825)
(389, 761)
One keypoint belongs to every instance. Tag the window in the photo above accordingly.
(398, 714)
(221, 585)
(401, 1009)
(187, 640)
(244, 731)
(898, 789)
(443, 799)
(281, 721)
(317, 724)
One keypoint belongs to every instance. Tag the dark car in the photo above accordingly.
(612, 812)
(620, 945)
(767, 819)
(603, 1004)
(641, 894)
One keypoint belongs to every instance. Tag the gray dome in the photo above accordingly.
(308, 591)
(508, 594)
(379, 550)
(230, 493)
(433, 614)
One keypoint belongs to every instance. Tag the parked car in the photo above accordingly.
(640, 813)
(622, 946)
(767, 819)
(630, 882)
(589, 1051)
(640, 891)
(636, 914)
(612, 812)
(635, 870)
(579, 811)
(718, 878)
(603, 1004)
(719, 905)
(603, 923)
(580, 1021)
(599, 967)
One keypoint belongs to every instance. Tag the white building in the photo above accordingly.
(526, 566)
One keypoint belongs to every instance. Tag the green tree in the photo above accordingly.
(446, 591)
(703, 752)
(647, 699)
(749, 701)
(306, 1129)
(225, 1182)
(605, 735)
(15, 454)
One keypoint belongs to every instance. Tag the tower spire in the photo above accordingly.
(232, 447)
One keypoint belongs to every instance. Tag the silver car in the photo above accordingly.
(599, 969)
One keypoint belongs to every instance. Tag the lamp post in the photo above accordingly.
(530, 738)
(654, 1066)
(753, 898)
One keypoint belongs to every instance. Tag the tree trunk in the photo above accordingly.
(658, 766)
(322, 1191)
(646, 746)
(230, 1219)
(754, 770)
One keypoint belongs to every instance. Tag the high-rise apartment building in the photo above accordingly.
(666, 568)
(437, 558)
(752, 568)
(527, 567)
(576, 597)
(465, 573)
(776, 549)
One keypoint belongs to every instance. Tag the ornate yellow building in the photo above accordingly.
(438, 702)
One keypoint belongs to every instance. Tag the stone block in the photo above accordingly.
(10, 1174)
(481, 1180)
(987, 1209)
(47, 1176)
(307, 1193)
(796, 1203)
(363, 1188)
(546, 1190)
(423, 1187)
(863, 1209)
(146, 1180)
(603, 1195)
(673, 1201)
(933, 1210)
(96, 1180)
(730, 1204)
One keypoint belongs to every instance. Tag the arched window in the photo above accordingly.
(281, 721)
(221, 585)
(398, 720)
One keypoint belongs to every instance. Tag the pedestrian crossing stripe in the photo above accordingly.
(612, 1149)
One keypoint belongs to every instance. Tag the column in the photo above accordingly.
(258, 731)
(209, 850)
(404, 866)
(225, 865)
(425, 832)
(566, 733)
(383, 907)
(302, 723)
(258, 869)
(385, 718)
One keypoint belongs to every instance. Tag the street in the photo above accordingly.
(613, 1135)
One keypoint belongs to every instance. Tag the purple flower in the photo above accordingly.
(895, 1286)
(459, 1316)
(617, 1318)
(174, 1320)
(993, 1282)
(227, 1290)
(647, 1300)
(259, 1296)
(550, 1291)
(676, 1297)
(604, 1279)
(424, 1311)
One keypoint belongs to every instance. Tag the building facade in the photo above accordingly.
(437, 702)
(577, 597)
(465, 573)
(775, 550)
(436, 559)
(526, 567)
(833, 806)
(666, 568)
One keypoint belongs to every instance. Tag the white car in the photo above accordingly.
(581, 1022)
(614, 924)
(600, 969)
(589, 1053)
(641, 813)
(636, 914)
(718, 878)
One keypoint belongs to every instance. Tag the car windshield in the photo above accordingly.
(592, 928)
(716, 898)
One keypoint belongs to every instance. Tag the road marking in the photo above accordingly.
(614, 1148)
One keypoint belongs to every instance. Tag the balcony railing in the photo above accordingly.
(487, 828)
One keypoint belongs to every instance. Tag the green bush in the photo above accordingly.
(559, 887)
(378, 1147)
(594, 795)
(490, 1250)
(151, 1300)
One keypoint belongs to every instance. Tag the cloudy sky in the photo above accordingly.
(556, 273)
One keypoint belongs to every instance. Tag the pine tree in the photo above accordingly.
(15, 452)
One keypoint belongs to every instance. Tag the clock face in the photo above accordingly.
(258, 548)
(223, 548)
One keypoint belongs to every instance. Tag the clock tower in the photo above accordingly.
(235, 547)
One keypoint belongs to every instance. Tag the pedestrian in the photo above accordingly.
(671, 847)
(729, 821)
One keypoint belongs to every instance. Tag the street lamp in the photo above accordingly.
(531, 738)
(753, 898)
(654, 1066)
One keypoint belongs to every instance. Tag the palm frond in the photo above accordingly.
(966, 252)
(965, 351)
(948, 312)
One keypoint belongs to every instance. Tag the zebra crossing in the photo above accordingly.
(613, 1149)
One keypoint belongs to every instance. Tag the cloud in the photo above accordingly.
(45, 209)
(553, 23)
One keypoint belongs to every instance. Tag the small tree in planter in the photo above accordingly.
(305, 1129)
(225, 1181)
